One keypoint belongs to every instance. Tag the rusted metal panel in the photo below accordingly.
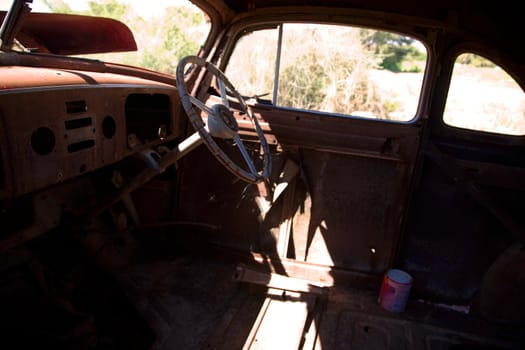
(47, 209)
(31, 77)
(42, 142)
(355, 211)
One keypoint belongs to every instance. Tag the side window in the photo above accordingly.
(251, 68)
(330, 68)
(483, 97)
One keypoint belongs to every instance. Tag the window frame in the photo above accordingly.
(248, 25)
(442, 129)
(448, 94)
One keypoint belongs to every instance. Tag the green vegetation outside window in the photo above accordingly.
(330, 68)
(165, 31)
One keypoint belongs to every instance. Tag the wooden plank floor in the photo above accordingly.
(281, 321)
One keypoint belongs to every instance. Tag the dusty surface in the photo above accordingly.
(192, 302)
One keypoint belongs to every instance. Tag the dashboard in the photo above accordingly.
(58, 124)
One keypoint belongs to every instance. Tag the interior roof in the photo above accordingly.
(499, 23)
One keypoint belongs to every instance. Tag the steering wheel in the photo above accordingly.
(221, 122)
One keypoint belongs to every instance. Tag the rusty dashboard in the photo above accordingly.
(58, 124)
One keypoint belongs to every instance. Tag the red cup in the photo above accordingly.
(395, 290)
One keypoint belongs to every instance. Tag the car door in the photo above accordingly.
(344, 125)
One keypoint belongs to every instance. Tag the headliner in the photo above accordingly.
(497, 23)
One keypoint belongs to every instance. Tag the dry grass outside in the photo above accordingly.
(485, 99)
(251, 68)
(327, 69)
(323, 68)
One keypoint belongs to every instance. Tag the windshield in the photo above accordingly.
(165, 30)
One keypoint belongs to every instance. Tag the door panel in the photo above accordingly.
(356, 176)
(344, 207)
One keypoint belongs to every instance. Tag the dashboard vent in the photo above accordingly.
(79, 146)
(74, 107)
(77, 123)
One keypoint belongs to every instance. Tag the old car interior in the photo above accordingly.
(145, 210)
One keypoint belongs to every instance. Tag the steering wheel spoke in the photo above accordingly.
(199, 104)
(222, 122)
(245, 155)
(222, 90)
